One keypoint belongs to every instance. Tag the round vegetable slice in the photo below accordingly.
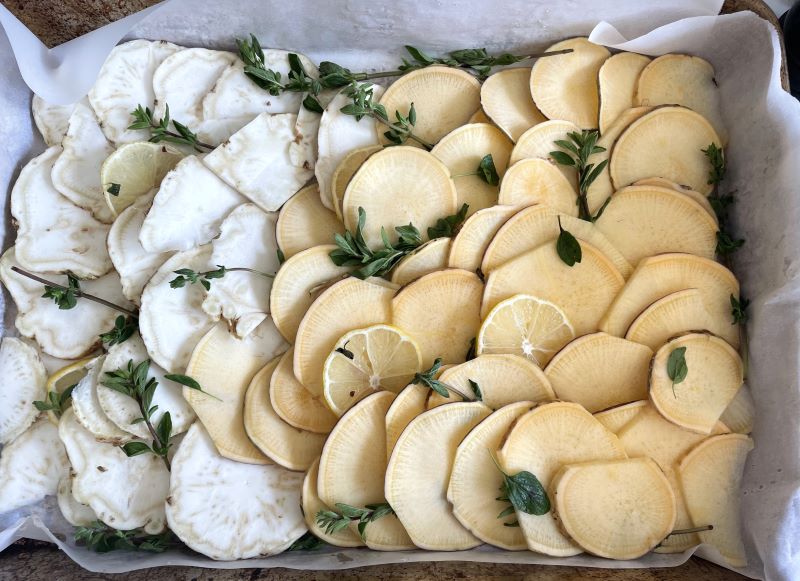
(539, 141)
(739, 416)
(429, 257)
(617, 79)
(506, 99)
(675, 314)
(346, 169)
(469, 245)
(75, 513)
(408, 404)
(479, 117)
(312, 505)
(536, 180)
(51, 120)
(616, 418)
(686, 190)
(24, 380)
(304, 222)
(89, 412)
(294, 404)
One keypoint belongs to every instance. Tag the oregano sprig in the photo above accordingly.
(101, 538)
(190, 277)
(332, 522)
(677, 369)
(568, 247)
(524, 491)
(56, 402)
(721, 203)
(576, 152)
(486, 171)
(189, 382)
(428, 379)
(739, 309)
(449, 226)
(124, 328)
(160, 130)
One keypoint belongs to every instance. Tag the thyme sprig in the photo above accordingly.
(721, 203)
(160, 130)
(190, 277)
(101, 538)
(486, 171)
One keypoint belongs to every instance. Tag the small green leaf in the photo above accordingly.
(739, 309)
(677, 369)
(568, 247)
(189, 382)
(487, 171)
(527, 494)
(476, 389)
(307, 542)
(113, 189)
(136, 448)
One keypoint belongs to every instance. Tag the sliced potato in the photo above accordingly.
(312, 505)
(616, 418)
(294, 404)
(419, 471)
(536, 180)
(408, 404)
(739, 416)
(479, 117)
(506, 99)
(24, 382)
(304, 222)
(617, 79)
(539, 141)
(345, 171)
(675, 314)
(715, 374)
(686, 190)
(469, 245)
(618, 509)
(429, 257)
(565, 86)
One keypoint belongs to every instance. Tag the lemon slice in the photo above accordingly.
(65, 377)
(137, 168)
(525, 325)
(383, 358)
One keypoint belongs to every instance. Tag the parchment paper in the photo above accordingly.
(763, 121)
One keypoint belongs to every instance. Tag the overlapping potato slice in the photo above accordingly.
(541, 442)
(171, 320)
(397, 186)
(646, 149)
(618, 509)
(419, 471)
(539, 141)
(444, 98)
(617, 79)
(506, 99)
(125, 81)
(89, 412)
(51, 120)
(294, 404)
(304, 222)
(408, 404)
(125, 492)
(52, 233)
(349, 304)
(228, 510)
(75, 513)
(188, 208)
(428, 258)
(659, 276)
(537, 180)
(686, 190)
(715, 374)
(24, 380)
(469, 245)
(462, 151)
(675, 314)
(312, 505)
(224, 366)
(739, 416)
(479, 116)
(346, 169)
(616, 418)
(441, 311)
(31, 466)
(565, 86)
(282, 443)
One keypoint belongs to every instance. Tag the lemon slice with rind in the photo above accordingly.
(65, 377)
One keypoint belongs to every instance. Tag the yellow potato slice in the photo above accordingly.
(539, 141)
(408, 404)
(304, 222)
(479, 117)
(675, 314)
(696, 196)
(469, 245)
(345, 171)
(616, 418)
(536, 180)
(617, 80)
(312, 505)
(429, 257)
(739, 416)
(506, 99)
(294, 404)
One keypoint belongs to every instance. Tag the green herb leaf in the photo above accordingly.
(331, 521)
(307, 542)
(56, 402)
(101, 538)
(524, 491)
(487, 171)
(136, 448)
(727, 245)
(160, 130)
(65, 297)
(124, 328)
(739, 309)
(449, 226)
(189, 382)
(476, 389)
(716, 158)
(568, 247)
(427, 379)
(471, 354)
(281, 256)
(576, 152)
(113, 189)
(677, 369)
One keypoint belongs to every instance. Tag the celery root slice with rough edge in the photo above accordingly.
(539, 141)
(675, 314)
(75, 513)
(506, 99)
(643, 221)
(444, 98)
(582, 371)
(398, 186)
(51, 120)
(24, 379)
(408, 404)
(303, 222)
(680, 79)
(227, 510)
(711, 477)
(616, 418)
(565, 86)
(617, 79)
(298, 282)
(353, 465)
(541, 442)
(475, 481)
(419, 471)
(428, 258)
(346, 305)
(469, 245)
(462, 151)
(583, 291)
(537, 180)
(686, 190)
(647, 148)
(294, 404)
(282, 443)
(224, 366)
(659, 276)
(90, 413)
(617, 509)
(441, 311)
(536, 225)
(715, 374)
(739, 416)
(380, 357)
(500, 379)
(345, 171)
(312, 505)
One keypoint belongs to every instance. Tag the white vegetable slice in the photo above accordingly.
(397, 186)
(565, 86)
(686, 190)
(224, 366)
(715, 374)
(294, 404)
(506, 99)
(339, 134)
(408, 404)
(123, 410)
(441, 311)
(539, 141)
(658, 276)
(215, 132)
(344, 173)
(51, 120)
(711, 477)
(24, 379)
(89, 412)
(429, 257)
(304, 222)
(581, 372)
(444, 98)
(312, 505)
(739, 416)
(616, 418)
(282, 443)
(125, 492)
(541, 442)
(419, 472)
(299, 281)
(188, 208)
(469, 245)
(675, 314)
(52, 233)
(646, 149)
(536, 180)
(31, 466)
(619, 509)
(75, 513)
(304, 148)
(617, 80)
(256, 160)
(125, 81)
(227, 510)
(462, 151)
(246, 240)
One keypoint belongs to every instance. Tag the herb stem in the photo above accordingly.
(196, 145)
(409, 133)
(154, 434)
(78, 293)
(692, 530)
(327, 283)
(253, 270)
